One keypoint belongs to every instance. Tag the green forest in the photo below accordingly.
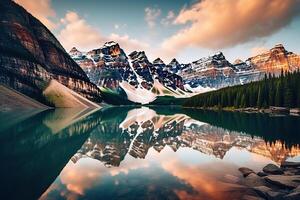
(281, 91)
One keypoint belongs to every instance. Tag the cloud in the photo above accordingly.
(78, 33)
(204, 180)
(41, 9)
(127, 43)
(215, 24)
(168, 19)
(151, 15)
(258, 50)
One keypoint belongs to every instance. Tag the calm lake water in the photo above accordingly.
(138, 153)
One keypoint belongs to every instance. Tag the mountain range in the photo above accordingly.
(132, 76)
(142, 81)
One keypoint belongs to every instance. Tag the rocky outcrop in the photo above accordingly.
(275, 60)
(30, 56)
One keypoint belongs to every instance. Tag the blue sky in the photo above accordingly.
(187, 30)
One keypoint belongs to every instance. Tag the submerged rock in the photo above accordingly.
(272, 169)
(267, 192)
(246, 171)
(287, 164)
(250, 197)
(262, 174)
(289, 182)
(252, 180)
(292, 196)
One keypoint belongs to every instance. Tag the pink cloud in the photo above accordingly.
(258, 50)
(78, 33)
(41, 9)
(216, 24)
(127, 43)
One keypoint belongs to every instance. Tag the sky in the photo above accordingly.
(185, 30)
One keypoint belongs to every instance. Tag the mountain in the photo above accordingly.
(275, 60)
(217, 72)
(31, 57)
(174, 66)
(166, 76)
(128, 79)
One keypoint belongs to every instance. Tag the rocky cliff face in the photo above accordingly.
(30, 56)
(142, 67)
(275, 60)
(106, 66)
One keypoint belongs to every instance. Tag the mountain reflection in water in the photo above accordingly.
(139, 153)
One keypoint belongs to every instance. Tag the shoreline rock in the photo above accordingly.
(272, 169)
(274, 182)
(246, 171)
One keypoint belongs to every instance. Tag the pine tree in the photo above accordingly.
(278, 91)
(271, 95)
(243, 101)
(259, 98)
(288, 97)
(298, 96)
(278, 94)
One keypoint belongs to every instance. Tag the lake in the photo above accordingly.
(138, 152)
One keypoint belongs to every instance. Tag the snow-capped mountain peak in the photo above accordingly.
(74, 52)
(174, 62)
(158, 61)
(111, 43)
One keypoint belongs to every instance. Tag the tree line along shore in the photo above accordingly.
(277, 92)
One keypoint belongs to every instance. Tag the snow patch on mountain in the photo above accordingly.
(199, 89)
(139, 94)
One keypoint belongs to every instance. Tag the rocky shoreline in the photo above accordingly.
(273, 182)
(270, 110)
